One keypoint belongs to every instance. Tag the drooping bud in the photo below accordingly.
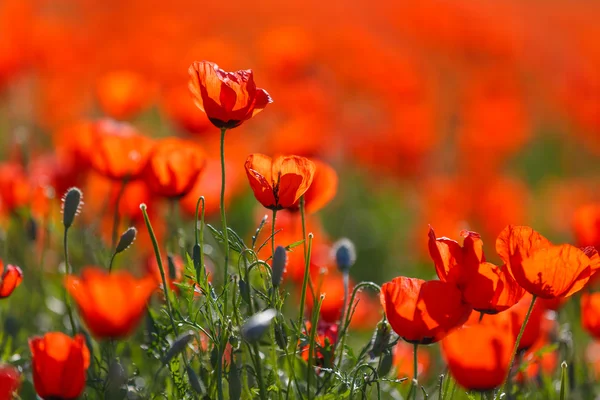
(258, 324)
(381, 339)
(278, 265)
(194, 380)
(71, 206)
(386, 363)
(178, 346)
(235, 384)
(344, 254)
(127, 238)
(172, 268)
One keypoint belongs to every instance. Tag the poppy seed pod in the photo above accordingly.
(258, 324)
(278, 265)
(71, 206)
(127, 238)
(344, 253)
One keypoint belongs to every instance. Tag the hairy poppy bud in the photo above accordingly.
(178, 346)
(381, 339)
(71, 206)
(278, 265)
(194, 380)
(127, 238)
(344, 254)
(257, 324)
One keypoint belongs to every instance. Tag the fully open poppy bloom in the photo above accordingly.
(110, 304)
(322, 189)
(11, 278)
(423, 311)
(279, 183)
(478, 355)
(486, 287)
(120, 152)
(542, 269)
(227, 98)
(123, 94)
(10, 380)
(59, 365)
(174, 167)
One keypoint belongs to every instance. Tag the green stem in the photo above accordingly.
(199, 235)
(274, 294)
(304, 283)
(117, 216)
(516, 348)
(415, 370)
(223, 217)
(67, 272)
(311, 348)
(259, 377)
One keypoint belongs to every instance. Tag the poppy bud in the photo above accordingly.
(257, 324)
(71, 206)
(127, 238)
(344, 254)
(381, 339)
(235, 385)
(244, 291)
(196, 257)
(278, 265)
(172, 267)
(178, 346)
(194, 380)
(386, 363)
(280, 336)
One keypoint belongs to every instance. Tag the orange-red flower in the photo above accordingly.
(423, 311)
(325, 339)
(586, 225)
(517, 314)
(478, 355)
(322, 189)
(227, 98)
(15, 190)
(122, 94)
(590, 313)
(59, 365)
(110, 304)
(10, 380)
(542, 269)
(539, 359)
(174, 167)
(11, 278)
(120, 152)
(279, 183)
(486, 287)
(403, 361)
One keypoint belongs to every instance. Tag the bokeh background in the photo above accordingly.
(462, 115)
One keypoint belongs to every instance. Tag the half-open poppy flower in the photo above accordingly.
(59, 365)
(423, 311)
(478, 355)
(110, 304)
(120, 152)
(322, 189)
(174, 167)
(542, 269)
(11, 278)
(10, 380)
(279, 183)
(227, 98)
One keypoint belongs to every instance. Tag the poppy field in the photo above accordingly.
(299, 200)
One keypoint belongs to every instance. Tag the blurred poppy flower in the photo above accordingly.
(539, 267)
(174, 167)
(182, 112)
(227, 98)
(586, 225)
(592, 357)
(279, 183)
(332, 286)
(11, 278)
(590, 313)
(15, 190)
(325, 339)
(122, 94)
(403, 361)
(59, 365)
(532, 330)
(173, 272)
(10, 380)
(421, 311)
(110, 304)
(478, 355)
(322, 189)
(541, 358)
(120, 152)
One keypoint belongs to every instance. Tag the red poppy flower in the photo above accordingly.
(322, 189)
(182, 112)
(517, 314)
(11, 278)
(123, 94)
(542, 269)
(59, 365)
(110, 304)
(332, 286)
(325, 339)
(586, 225)
(279, 183)
(15, 190)
(423, 311)
(486, 287)
(227, 98)
(539, 359)
(404, 358)
(120, 152)
(10, 380)
(590, 313)
(478, 355)
(174, 167)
